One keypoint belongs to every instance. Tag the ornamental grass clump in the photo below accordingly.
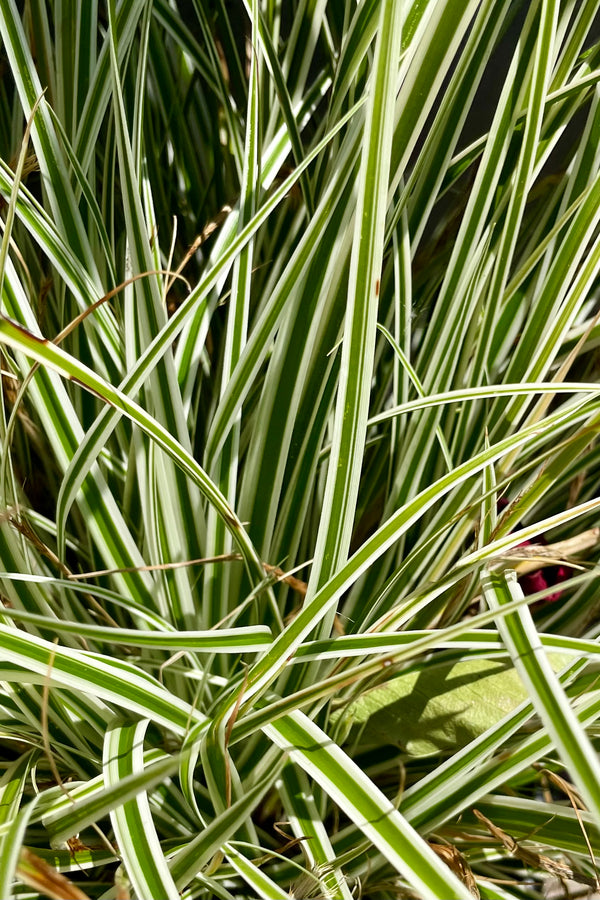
(299, 460)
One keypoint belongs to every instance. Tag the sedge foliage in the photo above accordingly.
(299, 333)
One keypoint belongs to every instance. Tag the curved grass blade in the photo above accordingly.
(134, 828)
(529, 658)
(372, 813)
(117, 682)
(226, 475)
(13, 818)
(302, 813)
(191, 859)
(356, 372)
(258, 880)
(63, 820)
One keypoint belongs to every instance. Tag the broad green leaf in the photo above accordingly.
(438, 708)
